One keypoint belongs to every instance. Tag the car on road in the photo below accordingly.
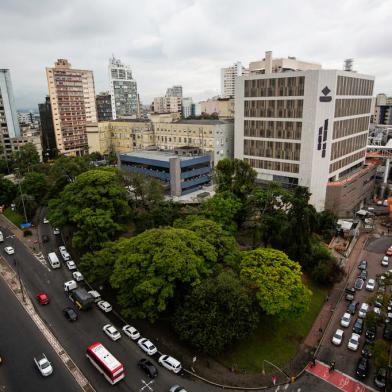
(45, 238)
(43, 365)
(131, 332)
(45, 220)
(358, 326)
(70, 285)
(367, 349)
(104, 306)
(370, 285)
(363, 310)
(385, 261)
(111, 332)
(377, 310)
(358, 284)
(345, 320)
(71, 265)
(363, 275)
(147, 346)
(9, 250)
(56, 231)
(389, 251)
(352, 307)
(353, 342)
(380, 379)
(350, 293)
(173, 365)
(78, 276)
(64, 253)
(95, 295)
(1, 236)
(362, 265)
(70, 314)
(362, 367)
(370, 333)
(43, 298)
(148, 367)
(177, 388)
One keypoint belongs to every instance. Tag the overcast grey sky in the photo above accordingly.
(186, 42)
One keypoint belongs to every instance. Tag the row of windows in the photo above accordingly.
(273, 129)
(344, 147)
(354, 86)
(285, 108)
(350, 126)
(275, 87)
(346, 161)
(276, 166)
(187, 131)
(269, 149)
(352, 107)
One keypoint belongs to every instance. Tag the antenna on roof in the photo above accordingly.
(348, 65)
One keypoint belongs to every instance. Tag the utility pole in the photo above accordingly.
(21, 194)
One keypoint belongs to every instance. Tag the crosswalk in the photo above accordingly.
(41, 258)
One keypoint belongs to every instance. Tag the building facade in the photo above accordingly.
(186, 106)
(123, 90)
(104, 107)
(175, 91)
(47, 129)
(72, 98)
(223, 107)
(228, 77)
(382, 114)
(304, 128)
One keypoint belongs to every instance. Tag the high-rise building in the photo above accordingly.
(186, 105)
(26, 117)
(171, 102)
(123, 90)
(47, 129)
(307, 127)
(175, 91)
(382, 114)
(228, 76)
(72, 98)
(104, 107)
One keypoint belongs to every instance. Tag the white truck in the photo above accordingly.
(43, 365)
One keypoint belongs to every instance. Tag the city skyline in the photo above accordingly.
(188, 42)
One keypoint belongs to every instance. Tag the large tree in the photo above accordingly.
(35, 184)
(25, 157)
(276, 281)
(7, 191)
(156, 265)
(216, 313)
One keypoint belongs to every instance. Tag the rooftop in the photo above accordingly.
(201, 122)
(158, 155)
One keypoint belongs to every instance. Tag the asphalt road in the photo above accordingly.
(308, 382)
(20, 342)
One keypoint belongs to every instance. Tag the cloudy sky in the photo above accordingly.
(186, 42)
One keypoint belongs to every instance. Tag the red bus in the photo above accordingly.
(105, 362)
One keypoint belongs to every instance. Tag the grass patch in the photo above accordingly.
(13, 216)
(274, 340)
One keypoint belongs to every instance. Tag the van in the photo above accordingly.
(70, 285)
(53, 260)
(96, 295)
(1, 236)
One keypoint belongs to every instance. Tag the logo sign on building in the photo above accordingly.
(325, 97)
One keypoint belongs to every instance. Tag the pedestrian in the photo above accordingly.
(332, 366)
(313, 361)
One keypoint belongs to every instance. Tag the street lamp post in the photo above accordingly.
(21, 194)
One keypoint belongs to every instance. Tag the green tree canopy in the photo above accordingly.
(216, 313)
(155, 264)
(381, 353)
(25, 157)
(276, 280)
(7, 191)
(35, 184)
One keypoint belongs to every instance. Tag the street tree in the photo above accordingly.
(381, 353)
(7, 191)
(216, 313)
(276, 280)
(35, 184)
(25, 157)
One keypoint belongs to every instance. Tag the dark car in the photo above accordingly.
(350, 293)
(362, 367)
(370, 333)
(387, 331)
(147, 366)
(358, 326)
(70, 314)
(367, 350)
(45, 238)
(380, 379)
(352, 307)
(358, 284)
(363, 275)
(362, 265)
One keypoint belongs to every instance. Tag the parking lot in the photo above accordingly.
(345, 359)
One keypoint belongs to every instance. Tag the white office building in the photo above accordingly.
(228, 77)
(8, 113)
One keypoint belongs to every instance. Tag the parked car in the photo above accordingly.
(385, 261)
(147, 366)
(363, 310)
(362, 265)
(367, 349)
(111, 332)
(56, 231)
(95, 295)
(353, 342)
(43, 365)
(177, 388)
(352, 307)
(46, 220)
(345, 320)
(370, 333)
(70, 314)
(370, 285)
(9, 250)
(350, 293)
(389, 251)
(173, 365)
(71, 265)
(147, 346)
(43, 298)
(77, 276)
(362, 367)
(64, 253)
(104, 306)
(380, 379)
(377, 310)
(131, 332)
(358, 284)
(358, 326)
(363, 275)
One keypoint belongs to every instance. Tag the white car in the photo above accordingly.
(385, 261)
(104, 306)
(131, 332)
(370, 285)
(44, 366)
(56, 231)
(77, 276)
(64, 253)
(353, 343)
(337, 338)
(363, 310)
(46, 220)
(71, 265)
(345, 320)
(147, 346)
(377, 310)
(9, 250)
(171, 363)
(95, 294)
(111, 332)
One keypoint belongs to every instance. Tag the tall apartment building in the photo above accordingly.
(123, 90)
(228, 77)
(47, 129)
(306, 127)
(175, 91)
(171, 102)
(104, 107)
(26, 117)
(186, 107)
(72, 98)
(382, 114)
